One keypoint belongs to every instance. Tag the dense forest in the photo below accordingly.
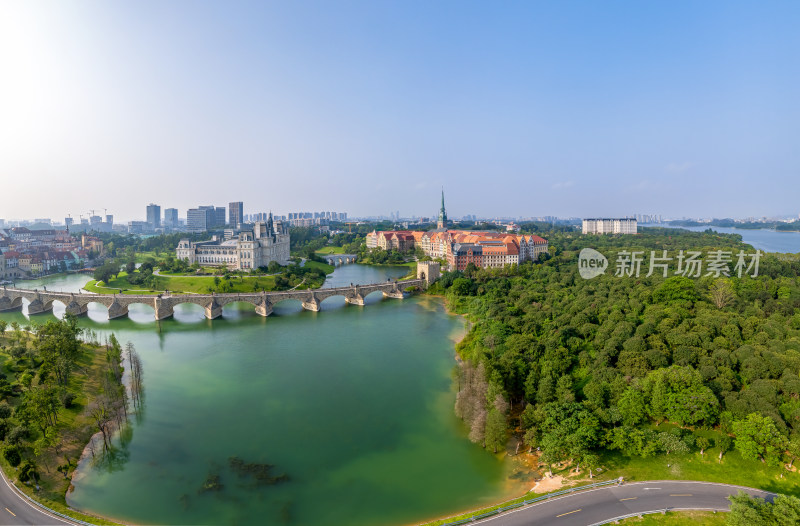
(575, 366)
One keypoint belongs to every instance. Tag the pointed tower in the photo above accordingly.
(270, 227)
(442, 223)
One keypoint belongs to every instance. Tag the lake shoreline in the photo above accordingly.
(194, 368)
(88, 454)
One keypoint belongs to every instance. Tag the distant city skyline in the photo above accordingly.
(529, 109)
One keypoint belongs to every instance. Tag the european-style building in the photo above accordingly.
(254, 248)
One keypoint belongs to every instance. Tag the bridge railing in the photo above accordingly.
(528, 502)
(404, 283)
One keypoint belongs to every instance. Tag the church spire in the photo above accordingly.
(442, 223)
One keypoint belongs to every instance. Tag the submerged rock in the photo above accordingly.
(212, 483)
(260, 472)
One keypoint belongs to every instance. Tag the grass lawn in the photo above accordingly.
(733, 470)
(412, 270)
(142, 256)
(682, 518)
(330, 250)
(324, 266)
(201, 284)
(92, 286)
(187, 284)
(73, 424)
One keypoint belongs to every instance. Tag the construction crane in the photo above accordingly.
(92, 211)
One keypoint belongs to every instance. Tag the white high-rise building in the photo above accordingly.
(609, 226)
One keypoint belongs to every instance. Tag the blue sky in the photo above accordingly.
(516, 108)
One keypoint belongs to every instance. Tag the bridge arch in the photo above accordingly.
(188, 312)
(341, 300)
(239, 308)
(373, 295)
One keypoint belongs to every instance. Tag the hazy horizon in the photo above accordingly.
(531, 109)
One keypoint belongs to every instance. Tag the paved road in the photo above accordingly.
(15, 509)
(589, 507)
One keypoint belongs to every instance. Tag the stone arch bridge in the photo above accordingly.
(163, 304)
(340, 259)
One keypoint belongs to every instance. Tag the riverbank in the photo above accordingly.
(52, 456)
(95, 444)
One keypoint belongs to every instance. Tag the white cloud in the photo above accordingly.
(563, 184)
(677, 168)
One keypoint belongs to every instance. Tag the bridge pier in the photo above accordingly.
(313, 304)
(356, 299)
(163, 309)
(394, 294)
(117, 310)
(37, 306)
(76, 309)
(7, 304)
(213, 310)
(264, 308)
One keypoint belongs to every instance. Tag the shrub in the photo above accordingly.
(68, 399)
(11, 454)
(28, 472)
(17, 435)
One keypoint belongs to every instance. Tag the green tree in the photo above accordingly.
(11, 454)
(3, 327)
(59, 346)
(678, 394)
(786, 510)
(721, 293)
(677, 289)
(671, 443)
(724, 443)
(462, 287)
(793, 449)
(753, 511)
(757, 438)
(570, 430)
(632, 406)
(496, 430)
(591, 462)
(703, 443)
(747, 511)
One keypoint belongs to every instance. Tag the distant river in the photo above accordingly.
(353, 403)
(762, 239)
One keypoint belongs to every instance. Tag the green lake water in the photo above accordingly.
(353, 403)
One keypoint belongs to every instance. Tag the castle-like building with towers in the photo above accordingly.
(265, 243)
(459, 248)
